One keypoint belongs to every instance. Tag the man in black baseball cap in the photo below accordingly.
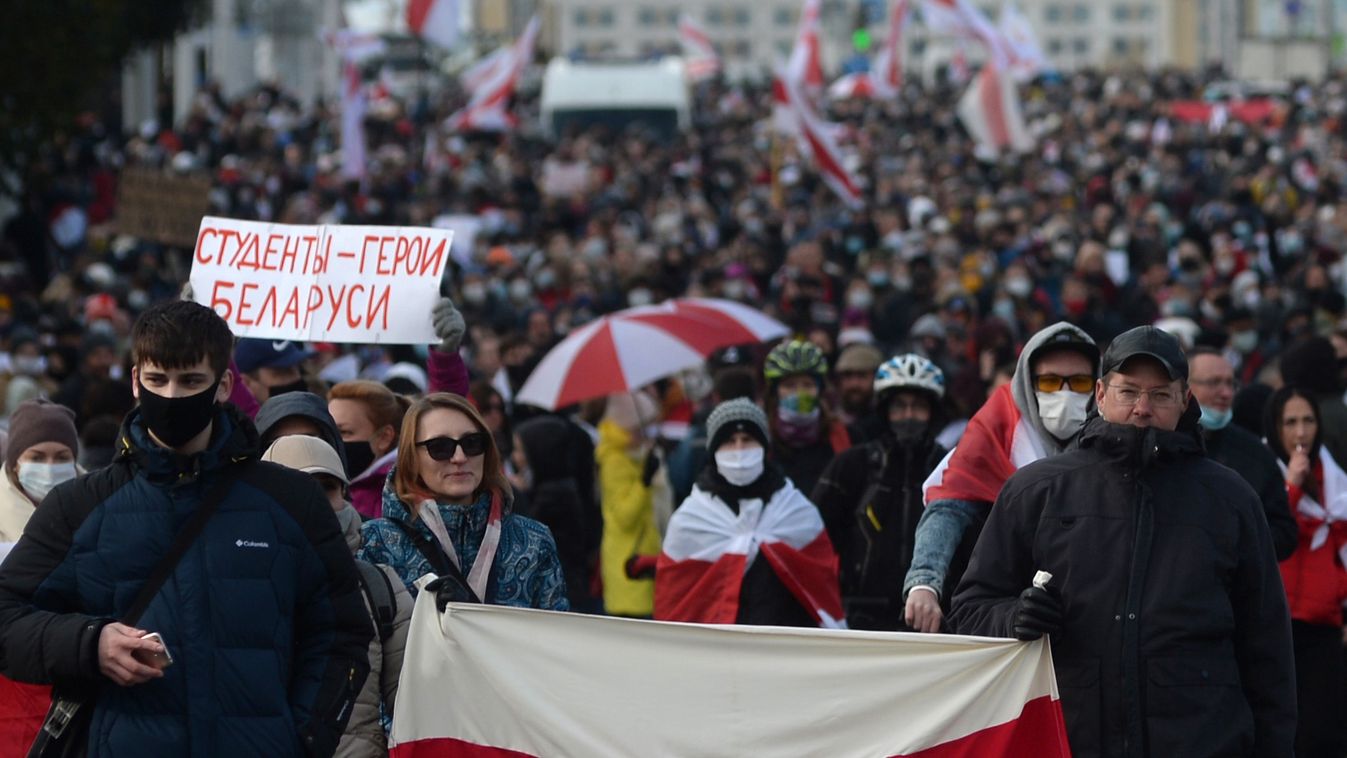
(1147, 562)
(271, 367)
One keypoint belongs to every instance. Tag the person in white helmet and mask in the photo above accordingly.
(39, 455)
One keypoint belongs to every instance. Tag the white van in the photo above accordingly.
(617, 95)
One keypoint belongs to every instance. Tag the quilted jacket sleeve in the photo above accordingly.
(332, 630)
(42, 639)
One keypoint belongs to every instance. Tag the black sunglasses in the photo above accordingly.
(442, 448)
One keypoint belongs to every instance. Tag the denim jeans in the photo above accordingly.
(941, 527)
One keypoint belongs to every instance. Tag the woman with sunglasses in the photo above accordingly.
(447, 510)
(1315, 580)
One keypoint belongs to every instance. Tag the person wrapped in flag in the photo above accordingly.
(746, 547)
(1037, 415)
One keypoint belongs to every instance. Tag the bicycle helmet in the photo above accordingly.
(909, 372)
(795, 357)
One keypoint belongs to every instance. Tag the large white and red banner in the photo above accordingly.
(495, 80)
(487, 681)
(963, 19)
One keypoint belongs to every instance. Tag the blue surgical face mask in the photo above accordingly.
(1215, 420)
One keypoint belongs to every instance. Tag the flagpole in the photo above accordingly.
(776, 157)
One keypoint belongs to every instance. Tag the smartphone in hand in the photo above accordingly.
(161, 660)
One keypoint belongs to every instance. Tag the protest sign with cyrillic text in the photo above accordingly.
(352, 284)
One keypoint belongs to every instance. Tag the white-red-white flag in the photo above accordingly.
(1026, 55)
(353, 159)
(887, 76)
(997, 442)
(480, 72)
(793, 114)
(700, 59)
(488, 104)
(960, 18)
(476, 681)
(990, 111)
(437, 21)
(806, 62)
(708, 548)
(854, 86)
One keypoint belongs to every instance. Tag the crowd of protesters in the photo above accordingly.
(966, 301)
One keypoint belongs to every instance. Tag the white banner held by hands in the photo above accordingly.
(345, 284)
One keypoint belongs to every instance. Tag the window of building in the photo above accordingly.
(1145, 12)
(606, 16)
(647, 17)
(1081, 45)
(783, 47)
(582, 17)
(1081, 13)
(1120, 46)
(1122, 12)
(784, 17)
(1055, 46)
(671, 17)
(1052, 12)
(743, 16)
(741, 48)
(715, 16)
(918, 47)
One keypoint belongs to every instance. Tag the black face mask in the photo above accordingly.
(175, 420)
(298, 385)
(359, 456)
(908, 431)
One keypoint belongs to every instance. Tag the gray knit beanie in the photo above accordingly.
(737, 415)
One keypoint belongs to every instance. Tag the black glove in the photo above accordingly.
(451, 589)
(1037, 612)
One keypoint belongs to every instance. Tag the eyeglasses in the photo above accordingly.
(1052, 382)
(1227, 382)
(443, 448)
(1161, 397)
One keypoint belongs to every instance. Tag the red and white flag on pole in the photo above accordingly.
(495, 682)
(806, 62)
(437, 21)
(794, 115)
(1026, 55)
(887, 77)
(353, 158)
(473, 77)
(990, 111)
(488, 105)
(699, 56)
(961, 18)
(997, 443)
(709, 548)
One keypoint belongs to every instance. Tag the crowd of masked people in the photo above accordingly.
(976, 390)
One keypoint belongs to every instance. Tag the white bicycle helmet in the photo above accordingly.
(909, 372)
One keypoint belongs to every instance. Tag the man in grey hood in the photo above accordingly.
(299, 413)
(1039, 414)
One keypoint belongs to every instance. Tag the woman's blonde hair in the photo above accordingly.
(407, 482)
(383, 406)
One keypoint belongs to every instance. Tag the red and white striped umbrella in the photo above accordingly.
(632, 348)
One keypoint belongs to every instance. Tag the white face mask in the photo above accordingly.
(740, 467)
(37, 479)
(1062, 412)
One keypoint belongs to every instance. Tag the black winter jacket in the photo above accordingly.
(263, 614)
(1246, 455)
(870, 499)
(1176, 639)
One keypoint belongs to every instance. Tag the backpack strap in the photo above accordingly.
(380, 595)
(440, 562)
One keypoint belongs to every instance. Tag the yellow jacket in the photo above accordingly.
(628, 523)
